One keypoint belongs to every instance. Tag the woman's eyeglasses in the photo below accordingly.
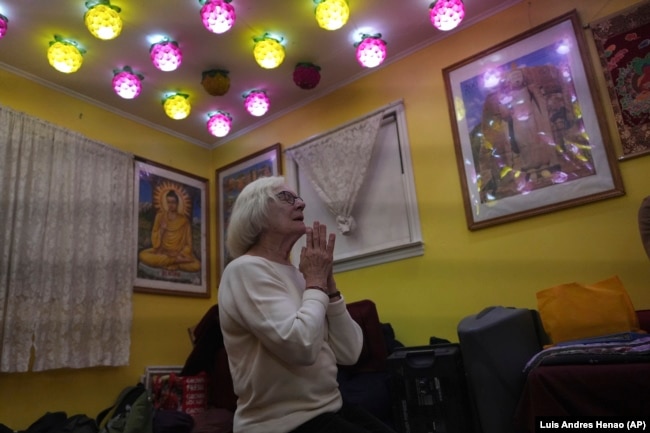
(288, 197)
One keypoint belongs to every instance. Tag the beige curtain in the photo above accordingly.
(336, 164)
(66, 250)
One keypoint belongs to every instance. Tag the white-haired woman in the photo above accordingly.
(285, 327)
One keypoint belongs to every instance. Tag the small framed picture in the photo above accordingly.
(159, 371)
(529, 132)
(232, 178)
(172, 231)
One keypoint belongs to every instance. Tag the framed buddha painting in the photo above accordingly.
(172, 231)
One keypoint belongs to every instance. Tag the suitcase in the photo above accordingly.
(429, 390)
(496, 344)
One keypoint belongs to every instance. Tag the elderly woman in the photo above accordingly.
(285, 328)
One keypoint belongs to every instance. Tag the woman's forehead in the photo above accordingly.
(285, 188)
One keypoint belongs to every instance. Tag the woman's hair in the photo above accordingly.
(250, 214)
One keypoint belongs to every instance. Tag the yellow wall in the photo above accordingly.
(460, 273)
(160, 323)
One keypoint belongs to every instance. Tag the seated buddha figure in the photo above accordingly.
(171, 239)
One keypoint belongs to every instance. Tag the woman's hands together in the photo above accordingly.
(317, 256)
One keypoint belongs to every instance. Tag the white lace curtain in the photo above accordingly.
(336, 165)
(66, 253)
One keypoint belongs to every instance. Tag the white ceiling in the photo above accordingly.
(403, 24)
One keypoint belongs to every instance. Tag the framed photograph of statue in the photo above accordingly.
(622, 41)
(529, 131)
(172, 231)
(232, 178)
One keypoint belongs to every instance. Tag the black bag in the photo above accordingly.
(132, 412)
(172, 421)
(48, 423)
(78, 424)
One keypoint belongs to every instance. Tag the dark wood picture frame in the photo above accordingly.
(529, 132)
(232, 178)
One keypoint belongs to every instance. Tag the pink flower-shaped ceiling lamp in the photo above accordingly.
(126, 83)
(166, 55)
(256, 102)
(218, 16)
(306, 75)
(219, 123)
(446, 14)
(4, 22)
(371, 51)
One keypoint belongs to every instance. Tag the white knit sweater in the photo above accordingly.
(283, 344)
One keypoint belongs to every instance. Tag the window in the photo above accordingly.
(386, 211)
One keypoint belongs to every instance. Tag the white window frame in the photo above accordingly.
(370, 255)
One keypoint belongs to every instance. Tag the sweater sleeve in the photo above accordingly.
(345, 335)
(272, 304)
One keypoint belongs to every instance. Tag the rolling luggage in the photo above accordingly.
(496, 344)
(429, 391)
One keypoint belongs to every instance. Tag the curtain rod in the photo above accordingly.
(388, 107)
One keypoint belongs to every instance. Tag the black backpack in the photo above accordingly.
(49, 422)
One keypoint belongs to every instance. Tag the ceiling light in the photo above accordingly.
(268, 51)
(332, 14)
(166, 55)
(218, 16)
(65, 55)
(306, 75)
(177, 106)
(216, 82)
(126, 83)
(446, 14)
(256, 102)
(4, 22)
(219, 123)
(371, 51)
(102, 19)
